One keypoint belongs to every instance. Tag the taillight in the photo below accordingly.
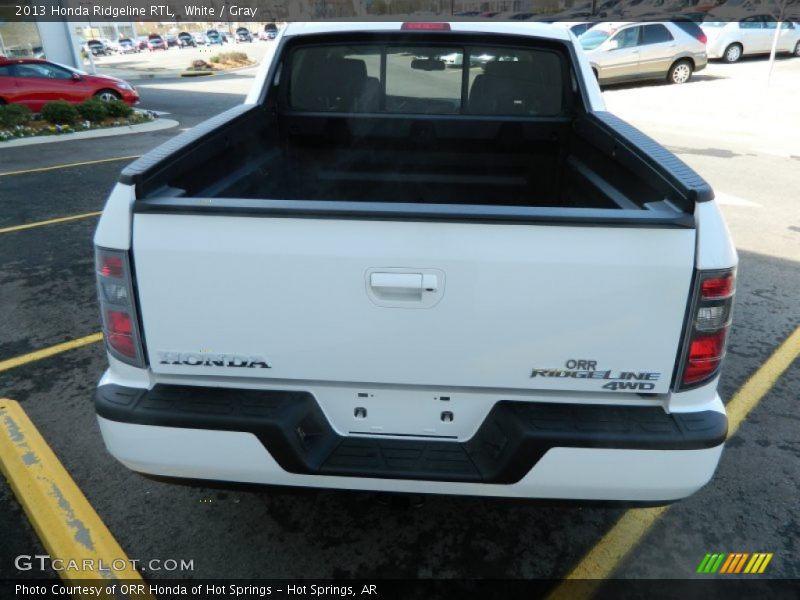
(707, 330)
(117, 306)
(703, 38)
(425, 26)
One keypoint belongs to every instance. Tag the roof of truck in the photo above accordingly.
(545, 30)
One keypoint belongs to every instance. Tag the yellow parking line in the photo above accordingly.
(68, 165)
(68, 526)
(602, 560)
(49, 222)
(10, 363)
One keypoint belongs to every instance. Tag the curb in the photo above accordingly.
(156, 125)
(197, 73)
(66, 523)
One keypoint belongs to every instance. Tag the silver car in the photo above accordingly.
(645, 51)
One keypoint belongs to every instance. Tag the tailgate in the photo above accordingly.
(397, 302)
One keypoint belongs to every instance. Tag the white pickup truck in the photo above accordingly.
(391, 270)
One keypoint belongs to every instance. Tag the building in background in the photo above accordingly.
(60, 42)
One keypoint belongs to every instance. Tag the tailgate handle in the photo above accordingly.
(405, 288)
(405, 281)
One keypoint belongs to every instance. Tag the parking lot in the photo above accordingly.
(741, 135)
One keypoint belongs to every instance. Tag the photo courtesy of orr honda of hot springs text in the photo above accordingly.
(391, 270)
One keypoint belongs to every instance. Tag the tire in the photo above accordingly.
(796, 50)
(680, 72)
(108, 95)
(732, 53)
(2, 102)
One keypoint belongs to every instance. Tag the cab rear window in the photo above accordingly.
(426, 79)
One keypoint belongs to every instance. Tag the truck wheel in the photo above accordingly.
(733, 53)
(680, 72)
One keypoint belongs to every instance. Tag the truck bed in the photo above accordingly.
(592, 162)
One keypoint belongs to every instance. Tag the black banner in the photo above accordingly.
(521, 11)
(719, 588)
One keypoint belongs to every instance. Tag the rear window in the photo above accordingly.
(426, 79)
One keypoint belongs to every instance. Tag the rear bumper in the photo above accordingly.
(536, 450)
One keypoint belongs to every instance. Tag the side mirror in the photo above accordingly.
(76, 77)
(612, 45)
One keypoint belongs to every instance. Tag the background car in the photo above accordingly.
(752, 35)
(200, 38)
(172, 41)
(639, 51)
(156, 42)
(33, 83)
(243, 35)
(141, 42)
(213, 37)
(270, 32)
(186, 40)
(97, 48)
(128, 46)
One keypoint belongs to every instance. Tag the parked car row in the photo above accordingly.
(184, 39)
(630, 51)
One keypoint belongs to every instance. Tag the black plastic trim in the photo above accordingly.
(511, 440)
(156, 159)
(334, 209)
(625, 138)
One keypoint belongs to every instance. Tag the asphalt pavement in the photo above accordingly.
(47, 295)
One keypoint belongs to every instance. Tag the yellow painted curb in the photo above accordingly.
(65, 522)
(18, 361)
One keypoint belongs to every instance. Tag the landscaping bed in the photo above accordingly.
(222, 61)
(60, 117)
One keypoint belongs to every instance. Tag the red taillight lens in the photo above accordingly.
(119, 322)
(119, 332)
(718, 288)
(703, 38)
(708, 328)
(110, 266)
(422, 26)
(705, 356)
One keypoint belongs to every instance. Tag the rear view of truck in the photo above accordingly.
(424, 259)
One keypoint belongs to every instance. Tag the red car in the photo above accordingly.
(34, 82)
(156, 42)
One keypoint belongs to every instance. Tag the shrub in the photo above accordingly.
(59, 112)
(117, 108)
(12, 115)
(93, 109)
(229, 57)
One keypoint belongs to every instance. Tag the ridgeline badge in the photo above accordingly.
(616, 380)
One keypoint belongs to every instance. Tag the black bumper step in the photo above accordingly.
(511, 440)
